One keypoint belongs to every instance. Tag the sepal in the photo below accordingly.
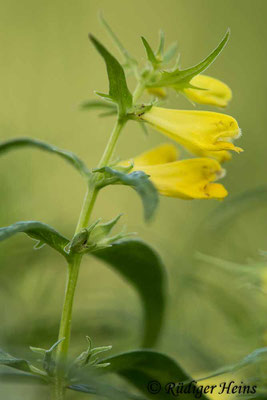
(96, 237)
(47, 359)
(89, 356)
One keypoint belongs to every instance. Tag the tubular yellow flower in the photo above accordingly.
(186, 179)
(217, 93)
(196, 130)
(161, 154)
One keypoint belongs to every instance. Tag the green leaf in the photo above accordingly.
(142, 367)
(98, 105)
(39, 231)
(21, 378)
(68, 156)
(180, 79)
(257, 356)
(118, 89)
(103, 390)
(13, 362)
(150, 54)
(160, 50)
(141, 266)
(140, 182)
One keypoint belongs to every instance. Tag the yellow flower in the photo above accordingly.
(157, 92)
(162, 154)
(196, 130)
(217, 93)
(186, 179)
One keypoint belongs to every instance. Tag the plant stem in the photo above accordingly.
(65, 327)
(73, 268)
(109, 150)
(138, 91)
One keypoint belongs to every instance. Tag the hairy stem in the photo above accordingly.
(58, 391)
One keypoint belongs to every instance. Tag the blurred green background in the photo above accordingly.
(48, 67)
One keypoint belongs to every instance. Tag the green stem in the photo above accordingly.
(58, 391)
(138, 91)
(65, 327)
(109, 150)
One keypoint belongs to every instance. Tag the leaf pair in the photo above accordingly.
(138, 180)
(134, 260)
(140, 368)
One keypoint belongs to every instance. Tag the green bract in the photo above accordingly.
(180, 79)
(118, 89)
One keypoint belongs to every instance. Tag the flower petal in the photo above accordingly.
(196, 130)
(188, 179)
(221, 156)
(161, 154)
(217, 93)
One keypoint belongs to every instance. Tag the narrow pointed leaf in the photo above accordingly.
(38, 231)
(103, 391)
(141, 367)
(150, 54)
(256, 357)
(68, 156)
(20, 378)
(13, 362)
(160, 50)
(180, 78)
(141, 266)
(118, 89)
(98, 105)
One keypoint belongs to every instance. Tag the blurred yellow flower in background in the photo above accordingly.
(185, 179)
(157, 92)
(215, 93)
